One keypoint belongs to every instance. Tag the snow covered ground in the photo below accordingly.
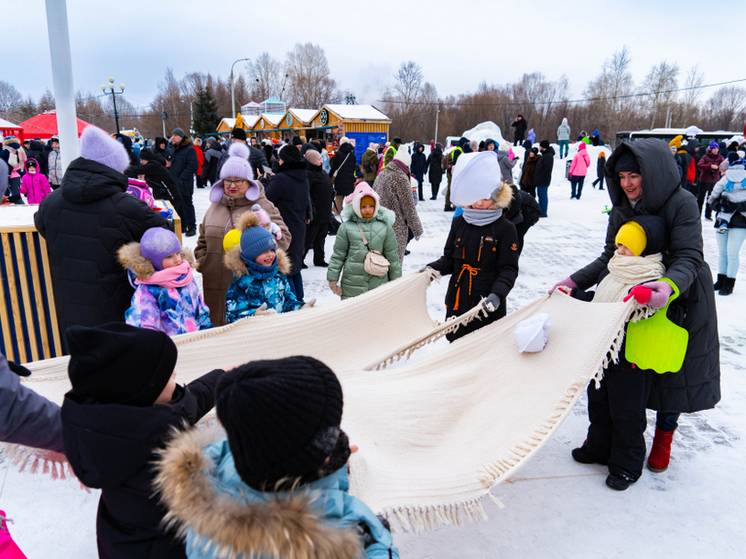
(554, 507)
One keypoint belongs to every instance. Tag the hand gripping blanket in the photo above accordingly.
(434, 435)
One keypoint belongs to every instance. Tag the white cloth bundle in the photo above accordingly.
(532, 334)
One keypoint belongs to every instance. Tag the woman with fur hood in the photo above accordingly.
(166, 296)
(481, 252)
(260, 269)
(233, 195)
(275, 483)
(367, 226)
(393, 185)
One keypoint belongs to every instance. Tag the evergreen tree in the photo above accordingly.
(205, 112)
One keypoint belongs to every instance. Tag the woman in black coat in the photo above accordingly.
(322, 195)
(342, 171)
(289, 191)
(696, 386)
(435, 170)
(160, 180)
(85, 222)
(418, 168)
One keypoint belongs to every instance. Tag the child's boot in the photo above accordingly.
(660, 454)
(720, 282)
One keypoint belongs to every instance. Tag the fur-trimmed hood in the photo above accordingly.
(504, 196)
(232, 258)
(282, 525)
(233, 262)
(130, 258)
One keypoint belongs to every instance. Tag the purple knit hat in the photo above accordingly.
(157, 243)
(98, 146)
(238, 166)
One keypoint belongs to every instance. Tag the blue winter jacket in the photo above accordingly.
(222, 516)
(254, 285)
(333, 503)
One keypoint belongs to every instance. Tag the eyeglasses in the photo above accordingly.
(237, 182)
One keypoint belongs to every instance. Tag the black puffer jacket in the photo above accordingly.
(289, 191)
(434, 169)
(112, 447)
(419, 162)
(543, 168)
(345, 161)
(84, 222)
(163, 185)
(184, 165)
(322, 194)
(697, 386)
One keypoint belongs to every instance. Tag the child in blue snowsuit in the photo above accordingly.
(275, 484)
(260, 270)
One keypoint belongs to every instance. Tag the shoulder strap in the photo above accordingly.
(365, 241)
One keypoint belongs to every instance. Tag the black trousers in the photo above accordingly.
(315, 236)
(617, 413)
(188, 219)
(434, 187)
(419, 188)
(703, 192)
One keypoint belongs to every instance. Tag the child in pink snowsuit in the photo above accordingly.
(166, 296)
(34, 185)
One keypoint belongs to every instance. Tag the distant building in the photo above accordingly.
(274, 106)
(252, 108)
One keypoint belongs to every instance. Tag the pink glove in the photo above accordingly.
(661, 291)
(567, 282)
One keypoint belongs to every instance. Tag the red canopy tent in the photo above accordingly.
(44, 126)
(7, 128)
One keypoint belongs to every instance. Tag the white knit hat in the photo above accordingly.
(476, 176)
(402, 154)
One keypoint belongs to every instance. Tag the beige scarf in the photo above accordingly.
(625, 272)
(437, 434)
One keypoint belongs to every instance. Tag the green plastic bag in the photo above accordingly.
(657, 343)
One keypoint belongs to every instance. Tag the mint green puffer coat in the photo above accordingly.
(349, 251)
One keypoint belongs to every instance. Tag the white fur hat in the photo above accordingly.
(402, 154)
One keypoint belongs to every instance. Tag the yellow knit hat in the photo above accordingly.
(232, 238)
(632, 235)
(676, 142)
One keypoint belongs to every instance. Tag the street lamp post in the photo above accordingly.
(108, 89)
(233, 86)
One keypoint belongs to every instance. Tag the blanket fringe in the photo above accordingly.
(36, 460)
(447, 327)
(427, 518)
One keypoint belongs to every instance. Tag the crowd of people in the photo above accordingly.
(133, 287)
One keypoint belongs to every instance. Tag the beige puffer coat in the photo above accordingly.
(219, 219)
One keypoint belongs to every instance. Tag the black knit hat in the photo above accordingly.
(116, 363)
(626, 161)
(282, 418)
(238, 133)
(290, 154)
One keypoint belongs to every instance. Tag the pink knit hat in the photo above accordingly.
(98, 146)
(237, 166)
(362, 190)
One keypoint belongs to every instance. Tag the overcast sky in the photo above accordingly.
(458, 44)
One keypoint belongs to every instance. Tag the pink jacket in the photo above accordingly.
(581, 162)
(34, 187)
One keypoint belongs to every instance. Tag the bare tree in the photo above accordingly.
(46, 102)
(724, 107)
(264, 77)
(609, 91)
(408, 82)
(307, 71)
(10, 99)
(661, 79)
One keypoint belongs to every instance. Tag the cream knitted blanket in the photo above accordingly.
(436, 435)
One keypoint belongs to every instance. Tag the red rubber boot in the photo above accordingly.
(660, 454)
